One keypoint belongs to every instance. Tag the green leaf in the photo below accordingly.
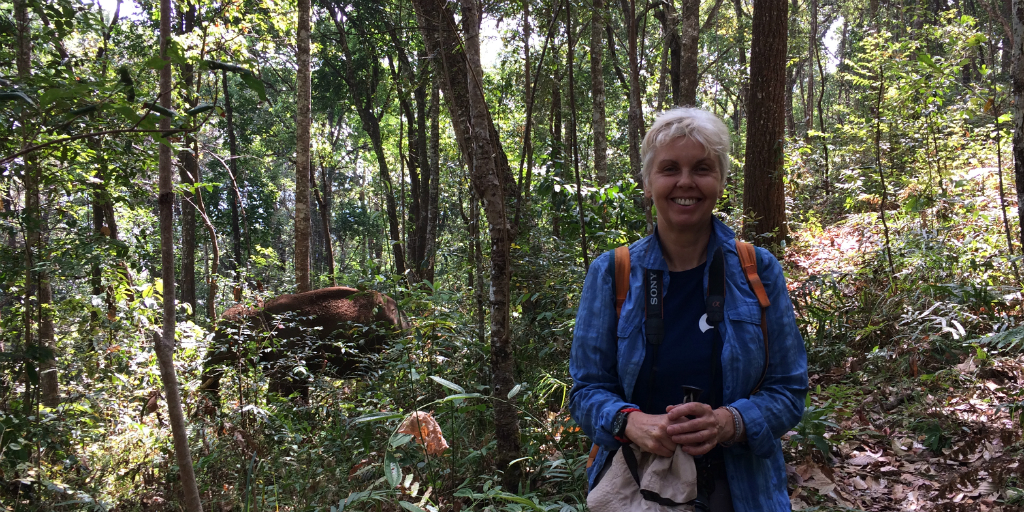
(155, 62)
(400, 440)
(410, 507)
(926, 59)
(448, 384)
(377, 416)
(392, 471)
(255, 85)
(200, 108)
(225, 66)
(159, 109)
(17, 95)
(459, 396)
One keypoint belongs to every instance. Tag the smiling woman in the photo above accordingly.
(707, 409)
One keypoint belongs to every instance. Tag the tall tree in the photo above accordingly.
(635, 115)
(38, 293)
(764, 201)
(188, 171)
(597, 93)
(462, 85)
(1018, 108)
(237, 263)
(689, 51)
(361, 73)
(303, 119)
(164, 340)
(571, 65)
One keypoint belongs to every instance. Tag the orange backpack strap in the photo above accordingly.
(748, 260)
(621, 289)
(621, 277)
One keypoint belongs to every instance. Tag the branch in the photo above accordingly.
(31, 149)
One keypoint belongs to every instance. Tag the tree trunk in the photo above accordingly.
(812, 47)
(188, 171)
(1018, 108)
(434, 158)
(363, 87)
(635, 117)
(672, 49)
(764, 201)
(689, 50)
(325, 218)
(597, 94)
(303, 282)
(164, 340)
(557, 151)
(37, 281)
(741, 50)
(237, 263)
(571, 64)
(493, 183)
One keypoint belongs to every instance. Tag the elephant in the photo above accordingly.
(330, 331)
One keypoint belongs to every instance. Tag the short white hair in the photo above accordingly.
(687, 122)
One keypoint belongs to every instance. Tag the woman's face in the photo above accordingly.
(685, 184)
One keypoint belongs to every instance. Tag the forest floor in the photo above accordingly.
(908, 432)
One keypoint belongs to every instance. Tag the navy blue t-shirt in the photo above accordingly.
(686, 356)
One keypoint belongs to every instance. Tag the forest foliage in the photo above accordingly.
(902, 203)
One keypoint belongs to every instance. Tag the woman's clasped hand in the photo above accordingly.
(694, 426)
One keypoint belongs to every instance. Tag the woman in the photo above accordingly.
(620, 397)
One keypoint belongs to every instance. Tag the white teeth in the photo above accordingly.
(684, 201)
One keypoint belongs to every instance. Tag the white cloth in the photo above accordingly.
(674, 478)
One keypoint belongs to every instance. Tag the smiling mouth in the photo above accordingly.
(685, 201)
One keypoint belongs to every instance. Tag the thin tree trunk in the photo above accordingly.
(364, 87)
(303, 119)
(571, 64)
(597, 94)
(764, 201)
(689, 50)
(741, 50)
(881, 170)
(1017, 81)
(237, 264)
(495, 185)
(37, 282)
(434, 158)
(557, 151)
(635, 116)
(189, 174)
(1002, 198)
(325, 218)
(812, 46)
(523, 195)
(165, 340)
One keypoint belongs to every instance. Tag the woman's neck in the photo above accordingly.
(684, 250)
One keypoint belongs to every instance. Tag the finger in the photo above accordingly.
(698, 450)
(695, 425)
(694, 409)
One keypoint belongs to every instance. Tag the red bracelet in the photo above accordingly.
(623, 439)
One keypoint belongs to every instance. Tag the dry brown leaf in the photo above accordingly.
(899, 492)
(425, 431)
(858, 483)
(862, 460)
(874, 484)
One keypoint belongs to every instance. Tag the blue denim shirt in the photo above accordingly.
(607, 353)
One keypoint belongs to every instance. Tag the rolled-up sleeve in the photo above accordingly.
(779, 405)
(597, 393)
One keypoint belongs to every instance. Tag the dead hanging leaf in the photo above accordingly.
(425, 431)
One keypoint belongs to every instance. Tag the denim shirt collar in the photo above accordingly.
(653, 258)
